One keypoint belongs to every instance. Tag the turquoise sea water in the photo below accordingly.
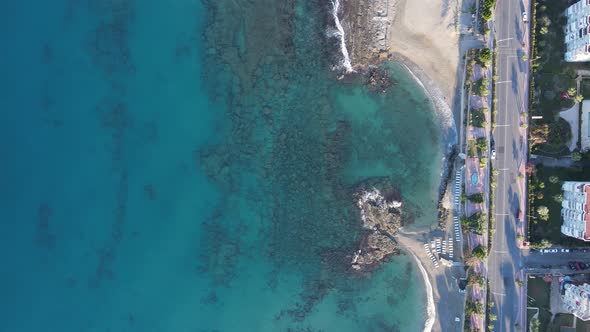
(189, 166)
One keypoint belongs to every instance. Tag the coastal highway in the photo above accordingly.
(505, 260)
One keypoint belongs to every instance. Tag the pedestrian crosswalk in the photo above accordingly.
(438, 247)
(457, 228)
(450, 248)
(458, 181)
(431, 255)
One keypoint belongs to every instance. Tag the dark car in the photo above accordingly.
(572, 266)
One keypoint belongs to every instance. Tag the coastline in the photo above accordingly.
(397, 31)
(430, 308)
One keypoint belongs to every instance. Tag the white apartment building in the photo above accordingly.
(575, 300)
(575, 210)
(577, 37)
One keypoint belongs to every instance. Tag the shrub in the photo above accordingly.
(543, 212)
(474, 308)
(476, 279)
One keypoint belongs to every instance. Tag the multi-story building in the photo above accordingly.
(575, 300)
(577, 37)
(575, 210)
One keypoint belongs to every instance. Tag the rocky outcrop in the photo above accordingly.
(378, 79)
(380, 214)
(366, 25)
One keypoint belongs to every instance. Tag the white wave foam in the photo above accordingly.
(340, 34)
(430, 309)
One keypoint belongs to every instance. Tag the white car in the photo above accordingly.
(525, 17)
(565, 250)
(549, 251)
(457, 319)
(493, 154)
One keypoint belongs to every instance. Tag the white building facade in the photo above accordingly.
(575, 300)
(575, 210)
(577, 32)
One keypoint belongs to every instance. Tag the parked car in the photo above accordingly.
(493, 154)
(525, 17)
(572, 266)
(565, 250)
(549, 251)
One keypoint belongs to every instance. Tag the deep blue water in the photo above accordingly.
(187, 166)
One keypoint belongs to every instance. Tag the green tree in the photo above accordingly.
(578, 98)
(544, 21)
(482, 144)
(476, 198)
(480, 252)
(558, 198)
(553, 179)
(480, 87)
(572, 91)
(485, 56)
(543, 212)
(543, 30)
(576, 156)
(535, 325)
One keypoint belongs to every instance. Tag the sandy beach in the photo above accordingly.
(425, 32)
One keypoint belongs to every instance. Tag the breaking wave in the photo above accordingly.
(339, 33)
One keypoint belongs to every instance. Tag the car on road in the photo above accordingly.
(525, 17)
(549, 251)
(493, 154)
(565, 250)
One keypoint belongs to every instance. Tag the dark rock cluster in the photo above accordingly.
(378, 79)
(379, 207)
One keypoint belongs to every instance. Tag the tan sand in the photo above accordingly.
(424, 32)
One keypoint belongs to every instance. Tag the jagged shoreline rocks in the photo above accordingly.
(366, 27)
(379, 206)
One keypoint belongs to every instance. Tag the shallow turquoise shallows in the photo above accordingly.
(187, 166)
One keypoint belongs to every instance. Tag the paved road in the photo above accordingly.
(558, 259)
(505, 261)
